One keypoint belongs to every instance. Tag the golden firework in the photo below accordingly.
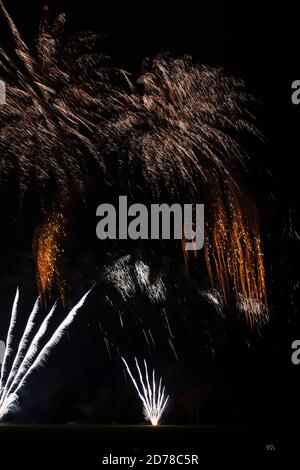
(233, 250)
(48, 247)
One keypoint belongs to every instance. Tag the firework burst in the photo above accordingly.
(152, 396)
(58, 99)
(183, 130)
(29, 355)
(53, 120)
(177, 130)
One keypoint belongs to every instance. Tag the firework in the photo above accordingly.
(55, 103)
(176, 133)
(233, 249)
(29, 357)
(152, 396)
(52, 129)
(183, 125)
(48, 246)
(9, 339)
(183, 132)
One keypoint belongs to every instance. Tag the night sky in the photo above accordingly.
(221, 372)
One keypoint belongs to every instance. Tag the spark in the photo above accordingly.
(214, 297)
(152, 339)
(106, 340)
(165, 316)
(142, 273)
(252, 309)
(156, 291)
(29, 357)
(146, 337)
(173, 348)
(122, 277)
(153, 398)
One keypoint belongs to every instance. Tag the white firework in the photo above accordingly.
(152, 396)
(29, 356)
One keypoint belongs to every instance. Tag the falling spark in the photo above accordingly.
(29, 359)
(173, 348)
(253, 310)
(153, 397)
(214, 297)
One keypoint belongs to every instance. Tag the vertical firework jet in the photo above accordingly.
(152, 396)
(29, 357)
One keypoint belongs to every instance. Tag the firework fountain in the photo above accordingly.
(153, 398)
(30, 355)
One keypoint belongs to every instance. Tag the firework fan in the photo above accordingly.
(30, 354)
(151, 394)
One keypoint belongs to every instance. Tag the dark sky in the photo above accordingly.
(239, 384)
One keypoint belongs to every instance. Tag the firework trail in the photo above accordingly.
(153, 397)
(29, 359)
(21, 349)
(10, 334)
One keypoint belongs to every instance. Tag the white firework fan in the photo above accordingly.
(30, 355)
(152, 396)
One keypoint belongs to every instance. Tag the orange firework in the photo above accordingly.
(233, 250)
(48, 246)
